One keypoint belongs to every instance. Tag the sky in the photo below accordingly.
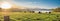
(46, 4)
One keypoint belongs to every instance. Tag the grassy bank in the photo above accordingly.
(19, 16)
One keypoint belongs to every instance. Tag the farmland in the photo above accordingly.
(20, 16)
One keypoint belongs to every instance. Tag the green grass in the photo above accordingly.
(18, 16)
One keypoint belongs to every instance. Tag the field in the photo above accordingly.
(18, 16)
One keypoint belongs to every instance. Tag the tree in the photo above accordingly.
(0, 9)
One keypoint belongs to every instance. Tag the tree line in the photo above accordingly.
(54, 10)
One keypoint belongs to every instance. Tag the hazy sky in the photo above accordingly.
(47, 4)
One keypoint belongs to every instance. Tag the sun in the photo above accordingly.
(6, 5)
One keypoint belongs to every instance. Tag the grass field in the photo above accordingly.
(18, 16)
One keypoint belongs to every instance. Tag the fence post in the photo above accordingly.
(6, 18)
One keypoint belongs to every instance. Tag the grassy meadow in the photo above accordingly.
(20, 16)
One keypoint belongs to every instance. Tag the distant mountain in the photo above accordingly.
(39, 9)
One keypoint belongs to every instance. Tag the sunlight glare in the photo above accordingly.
(5, 5)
